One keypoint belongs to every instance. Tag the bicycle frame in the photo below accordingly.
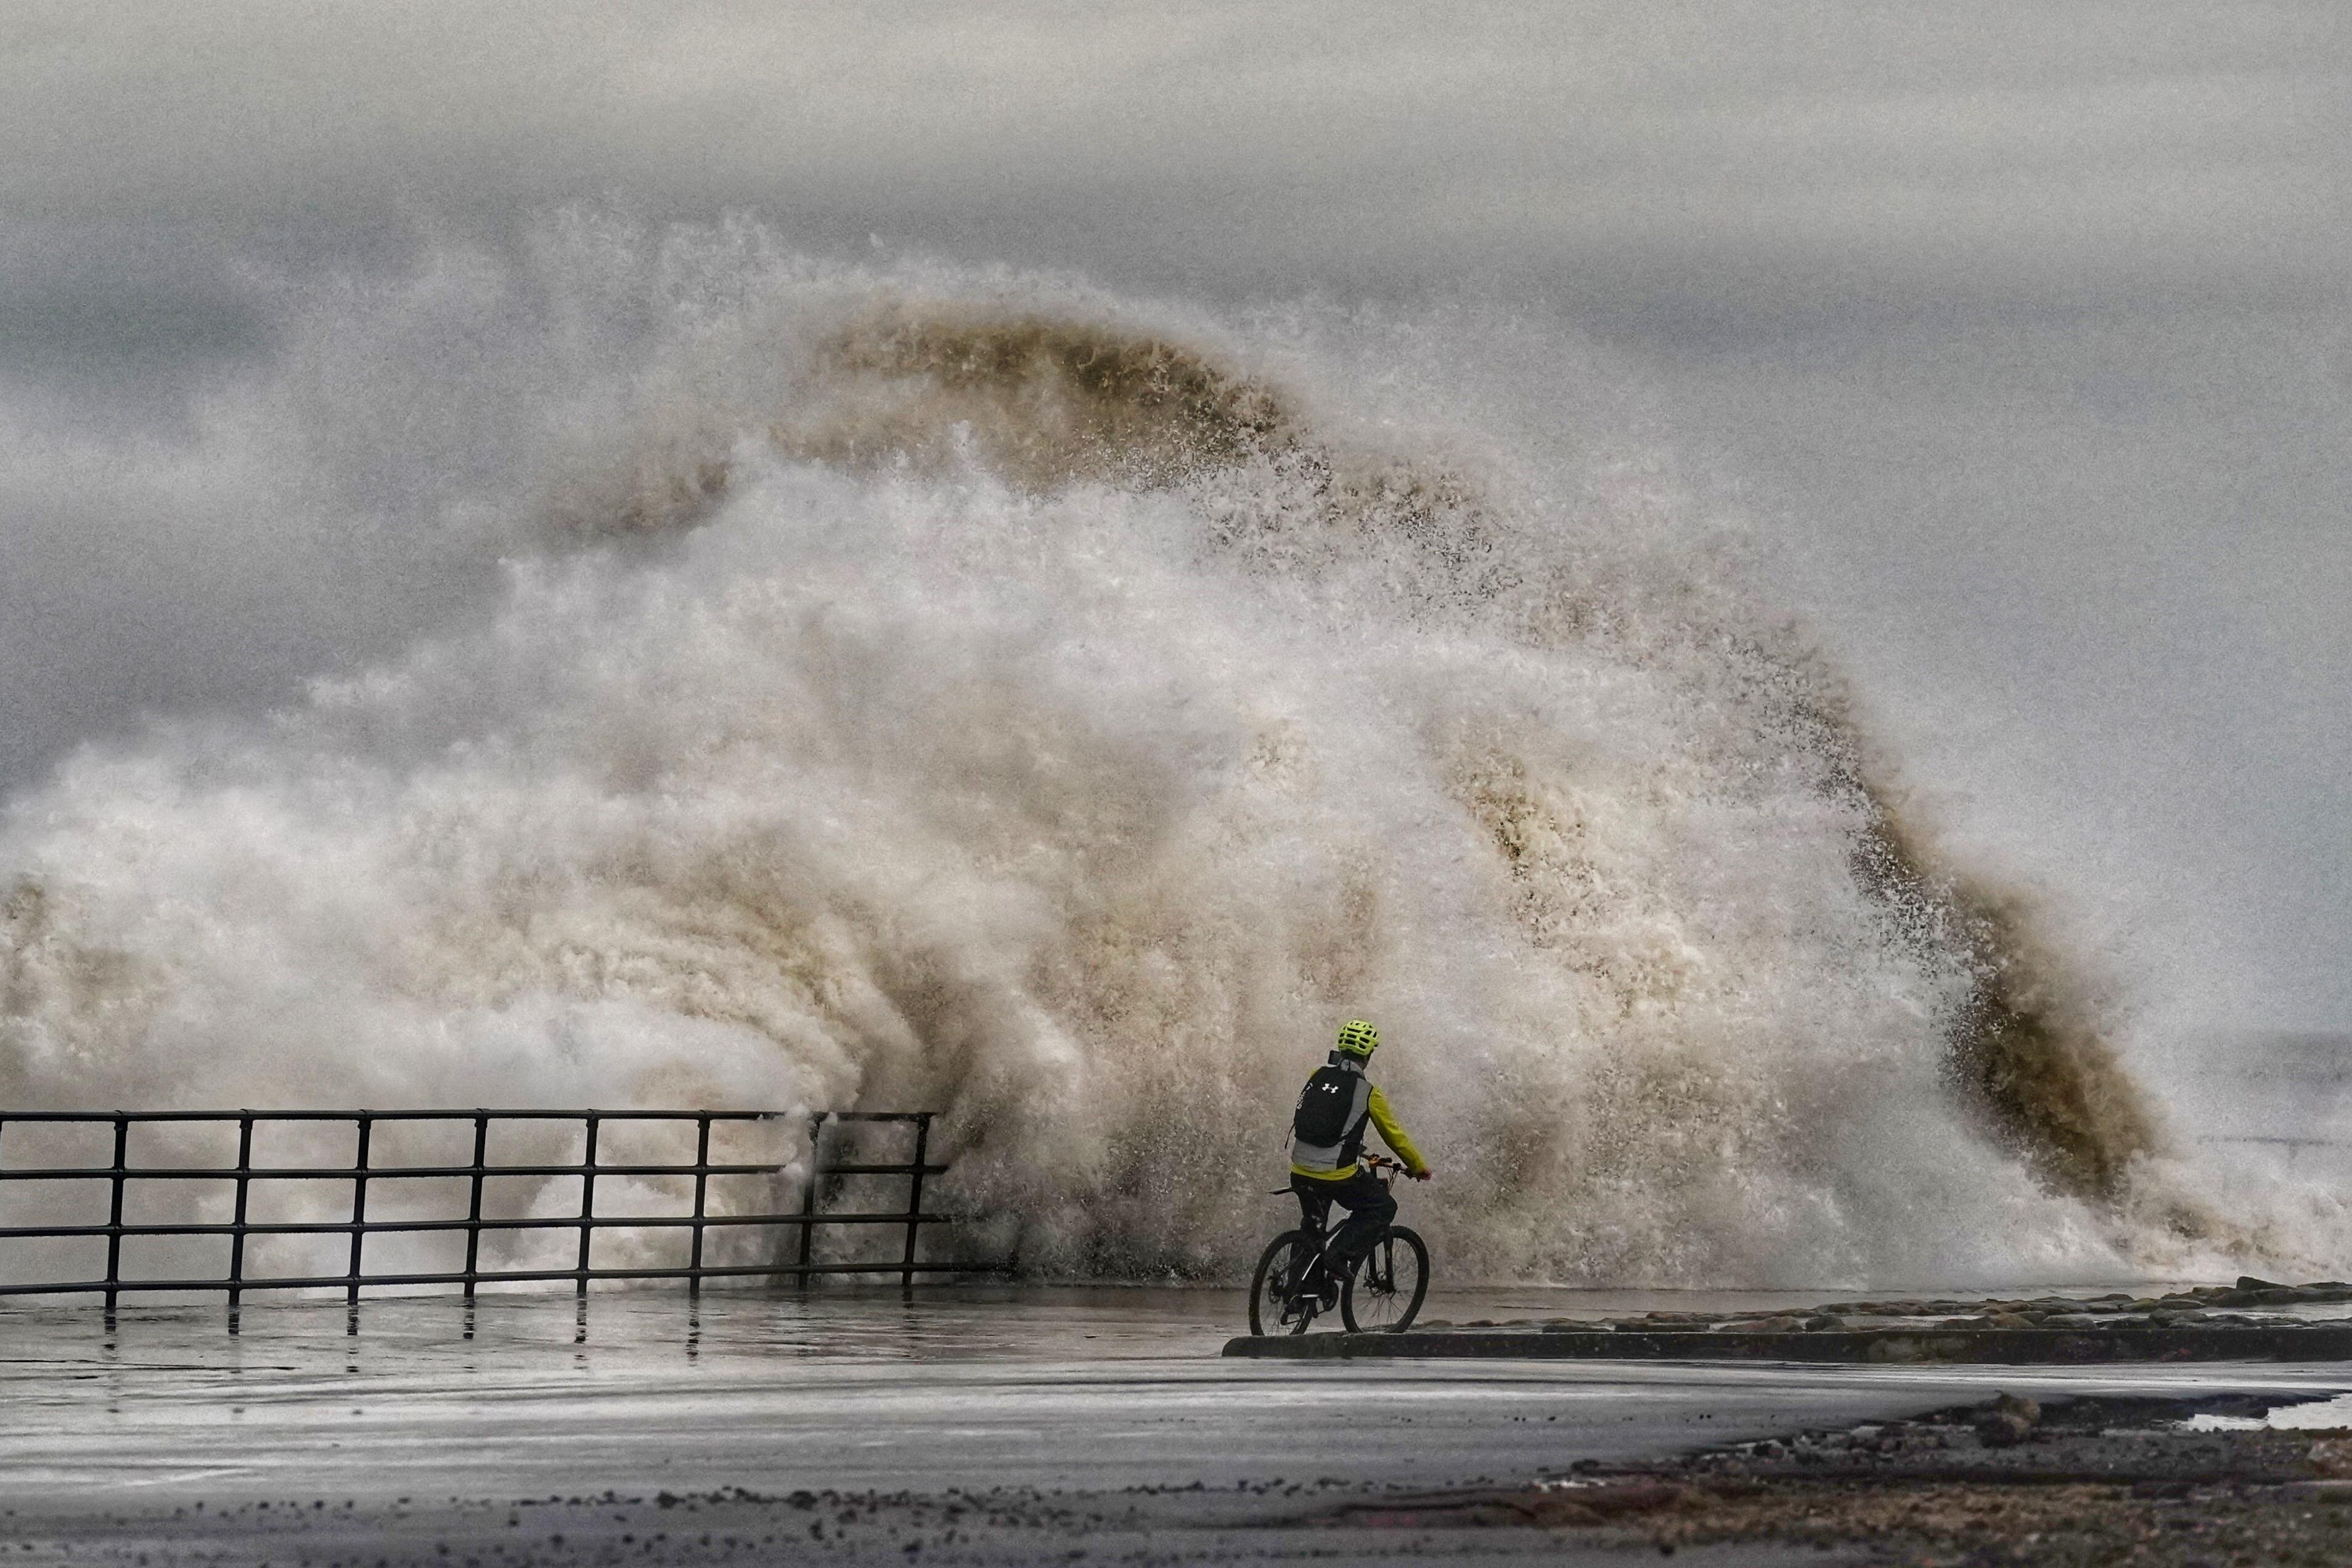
(1309, 1251)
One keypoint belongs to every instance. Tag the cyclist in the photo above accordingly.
(1328, 1128)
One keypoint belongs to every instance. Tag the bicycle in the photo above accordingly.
(1381, 1294)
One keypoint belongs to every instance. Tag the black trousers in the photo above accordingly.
(1370, 1210)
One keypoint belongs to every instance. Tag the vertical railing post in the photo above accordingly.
(236, 1220)
(474, 1204)
(701, 1197)
(587, 1205)
(808, 1196)
(114, 1212)
(359, 1204)
(915, 1197)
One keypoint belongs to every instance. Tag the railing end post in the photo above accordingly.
(587, 1203)
(914, 1199)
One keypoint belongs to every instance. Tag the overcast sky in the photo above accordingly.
(2022, 325)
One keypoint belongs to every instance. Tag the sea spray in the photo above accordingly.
(974, 692)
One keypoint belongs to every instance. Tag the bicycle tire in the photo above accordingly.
(1390, 1304)
(1282, 1250)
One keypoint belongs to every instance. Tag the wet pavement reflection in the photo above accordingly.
(533, 1394)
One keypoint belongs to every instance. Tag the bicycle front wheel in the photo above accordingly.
(1278, 1266)
(1384, 1293)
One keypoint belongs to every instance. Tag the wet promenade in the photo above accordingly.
(1080, 1392)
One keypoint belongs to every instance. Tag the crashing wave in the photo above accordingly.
(924, 690)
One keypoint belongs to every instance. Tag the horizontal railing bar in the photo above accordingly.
(436, 1173)
(375, 1227)
(2251, 1138)
(110, 1117)
(534, 1276)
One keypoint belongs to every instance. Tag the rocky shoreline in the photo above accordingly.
(2089, 1483)
(2213, 1322)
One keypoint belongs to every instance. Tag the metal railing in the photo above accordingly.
(2295, 1147)
(124, 1178)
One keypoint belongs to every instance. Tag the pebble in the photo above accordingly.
(2002, 1429)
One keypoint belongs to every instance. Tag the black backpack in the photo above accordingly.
(1326, 1106)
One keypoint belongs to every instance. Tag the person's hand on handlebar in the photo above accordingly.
(1421, 1175)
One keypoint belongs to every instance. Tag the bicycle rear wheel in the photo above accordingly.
(1383, 1292)
(1270, 1285)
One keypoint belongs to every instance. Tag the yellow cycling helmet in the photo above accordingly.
(1358, 1039)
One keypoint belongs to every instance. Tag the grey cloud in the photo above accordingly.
(2022, 325)
(2019, 145)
